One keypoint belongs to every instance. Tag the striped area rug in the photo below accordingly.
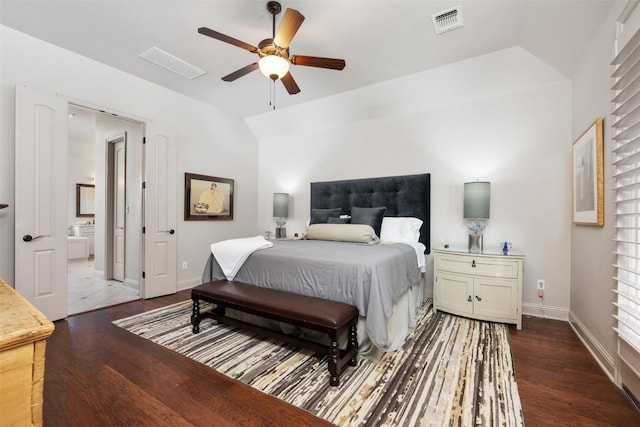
(452, 371)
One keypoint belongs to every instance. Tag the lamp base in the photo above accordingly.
(281, 232)
(476, 230)
(475, 244)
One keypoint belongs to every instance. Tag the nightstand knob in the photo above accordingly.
(473, 263)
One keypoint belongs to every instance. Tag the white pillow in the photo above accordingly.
(400, 229)
(355, 233)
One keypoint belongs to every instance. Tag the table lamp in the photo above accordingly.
(477, 197)
(281, 212)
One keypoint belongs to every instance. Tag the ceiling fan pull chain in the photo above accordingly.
(272, 94)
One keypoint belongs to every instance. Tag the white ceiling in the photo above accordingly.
(379, 39)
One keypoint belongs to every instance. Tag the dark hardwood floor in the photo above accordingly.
(559, 381)
(100, 375)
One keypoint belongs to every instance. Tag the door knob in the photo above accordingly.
(469, 299)
(478, 298)
(473, 263)
(29, 237)
(172, 231)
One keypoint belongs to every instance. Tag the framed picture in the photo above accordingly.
(588, 177)
(85, 200)
(207, 198)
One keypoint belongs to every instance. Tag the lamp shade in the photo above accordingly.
(280, 205)
(477, 196)
(273, 66)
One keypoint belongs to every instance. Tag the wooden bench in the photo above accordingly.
(330, 317)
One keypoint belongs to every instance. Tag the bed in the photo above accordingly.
(383, 279)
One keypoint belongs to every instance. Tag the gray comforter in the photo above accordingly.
(371, 277)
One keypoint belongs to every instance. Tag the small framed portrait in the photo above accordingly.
(207, 198)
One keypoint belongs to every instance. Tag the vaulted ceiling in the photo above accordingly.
(379, 39)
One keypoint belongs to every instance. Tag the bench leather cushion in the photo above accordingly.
(301, 310)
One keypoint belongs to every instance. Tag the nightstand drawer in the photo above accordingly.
(479, 265)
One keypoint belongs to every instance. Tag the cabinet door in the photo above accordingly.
(496, 299)
(453, 294)
(87, 231)
(91, 235)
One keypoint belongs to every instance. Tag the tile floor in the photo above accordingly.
(86, 292)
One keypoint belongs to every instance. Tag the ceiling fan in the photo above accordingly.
(274, 52)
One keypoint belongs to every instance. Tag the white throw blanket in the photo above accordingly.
(231, 254)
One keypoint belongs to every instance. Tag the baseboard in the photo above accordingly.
(604, 359)
(635, 401)
(545, 311)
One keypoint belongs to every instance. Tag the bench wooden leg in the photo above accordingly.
(195, 316)
(334, 357)
(353, 345)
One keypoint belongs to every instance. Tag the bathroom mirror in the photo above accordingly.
(85, 198)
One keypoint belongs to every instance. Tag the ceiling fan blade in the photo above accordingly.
(289, 25)
(224, 38)
(290, 84)
(314, 61)
(241, 72)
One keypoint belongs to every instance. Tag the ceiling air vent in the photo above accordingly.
(447, 19)
(171, 63)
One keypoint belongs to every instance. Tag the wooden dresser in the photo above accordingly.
(23, 330)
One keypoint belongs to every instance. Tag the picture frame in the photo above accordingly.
(207, 198)
(588, 177)
(85, 200)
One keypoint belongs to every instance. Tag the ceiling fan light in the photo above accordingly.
(273, 66)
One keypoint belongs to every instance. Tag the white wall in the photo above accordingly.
(591, 247)
(210, 141)
(503, 117)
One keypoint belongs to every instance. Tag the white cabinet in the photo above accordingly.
(88, 231)
(480, 286)
(77, 247)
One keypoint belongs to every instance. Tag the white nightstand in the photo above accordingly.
(485, 286)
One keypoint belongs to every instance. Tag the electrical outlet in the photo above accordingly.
(185, 265)
(541, 284)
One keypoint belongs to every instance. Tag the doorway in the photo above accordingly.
(41, 232)
(104, 151)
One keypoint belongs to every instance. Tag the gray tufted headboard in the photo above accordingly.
(405, 195)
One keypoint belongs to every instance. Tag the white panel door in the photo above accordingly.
(41, 201)
(160, 214)
(119, 201)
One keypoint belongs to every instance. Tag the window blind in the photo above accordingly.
(626, 179)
